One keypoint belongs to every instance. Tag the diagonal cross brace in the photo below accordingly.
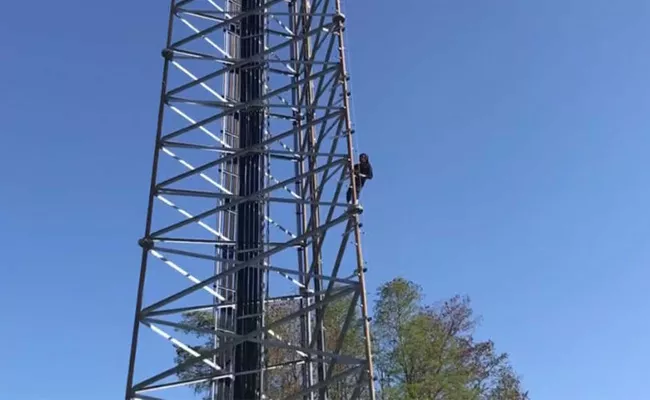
(239, 266)
(240, 200)
(238, 341)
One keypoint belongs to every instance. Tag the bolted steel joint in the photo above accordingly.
(339, 23)
(339, 18)
(146, 243)
(167, 54)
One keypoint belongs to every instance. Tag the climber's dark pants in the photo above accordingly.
(348, 196)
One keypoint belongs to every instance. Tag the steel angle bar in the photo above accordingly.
(310, 275)
(279, 22)
(303, 351)
(205, 38)
(204, 307)
(308, 201)
(223, 261)
(216, 376)
(309, 78)
(191, 309)
(230, 150)
(227, 193)
(183, 11)
(185, 382)
(326, 132)
(189, 328)
(280, 71)
(214, 306)
(337, 262)
(330, 215)
(284, 364)
(144, 397)
(330, 159)
(227, 105)
(258, 103)
(181, 3)
(199, 124)
(360, 381)
(206, 87)
(357, 232)
(180, 344)
(197, 170)
(344, 331)
(323, 126)
(321, 355)
(144, 254)
(252, 335)
(304, 62)
(213, 242)
(186, 274)
(203, 85)
(262, 11)
(317, 6)
(323, 86)
(196, 193)
(221, 25)
(188, 215)
(184, 54)
(192, 254)
(239, 200)
(260, 57)
(239, 266)
(240, 153)
(192, 121)
(259, 147)
(283, 117)
(228, 345)
(276, 33)
(327, 177)
(323, 384)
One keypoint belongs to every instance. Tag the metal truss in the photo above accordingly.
(253, 150)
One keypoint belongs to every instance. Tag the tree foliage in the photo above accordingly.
(428, 352)
(421, 351)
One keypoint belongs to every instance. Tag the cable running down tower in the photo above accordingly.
(248, 233)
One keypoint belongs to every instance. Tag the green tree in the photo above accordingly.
(507, 387)
(428, 352)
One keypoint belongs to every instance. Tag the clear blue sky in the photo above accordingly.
(515, 134)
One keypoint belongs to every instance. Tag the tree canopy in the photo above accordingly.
(421, 351)
(428, 352)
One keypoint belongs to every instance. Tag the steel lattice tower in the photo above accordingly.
(247, 210)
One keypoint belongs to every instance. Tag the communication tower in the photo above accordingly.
(247, 220)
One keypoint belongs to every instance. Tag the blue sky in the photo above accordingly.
(514, 132)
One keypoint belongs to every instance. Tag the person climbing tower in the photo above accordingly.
(362, 171)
